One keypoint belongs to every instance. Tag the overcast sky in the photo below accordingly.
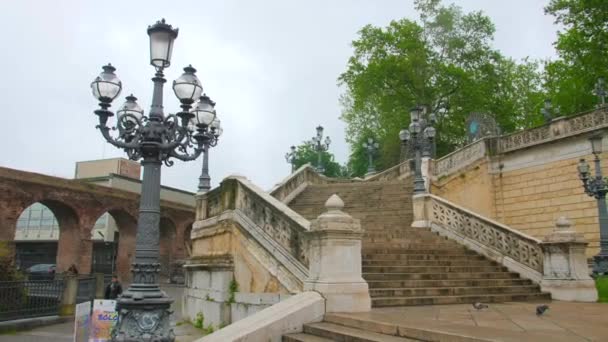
(270, 65)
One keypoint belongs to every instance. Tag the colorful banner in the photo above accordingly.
(82, 320)
(104, 318)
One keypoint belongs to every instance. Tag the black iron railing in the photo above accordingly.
(86, 289)
(29, 298)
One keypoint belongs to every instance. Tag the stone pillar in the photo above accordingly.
(68, 297)
(425, 167)
(335, 260)
(566, 274)
(421, 219)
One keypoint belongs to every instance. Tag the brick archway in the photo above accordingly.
(77, 205)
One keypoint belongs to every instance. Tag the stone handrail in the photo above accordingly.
(402, 169)
(501, 243)
(295, 183)
(559, 128)
(460, 158)
(276, 220)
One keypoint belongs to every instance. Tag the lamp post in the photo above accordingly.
(421, 138)
(290, 157)
(371, 147)
(206, 118)
(547, 111)
(600, 92)
(404, 136)
(143, 309)
(320, 147)
(597, 187)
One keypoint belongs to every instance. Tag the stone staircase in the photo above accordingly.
(413, 266)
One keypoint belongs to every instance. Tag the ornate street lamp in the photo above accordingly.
(597, 187)
(547, 111)
(404, 136)
(206, 121)
(600, 92)
(143, 308)
(320, 147)
(371, 147)
(290, 157)
(421, 139)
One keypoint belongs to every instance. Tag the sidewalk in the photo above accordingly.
(63, 332)
(512, 322)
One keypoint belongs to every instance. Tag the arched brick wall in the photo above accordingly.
(77, 205)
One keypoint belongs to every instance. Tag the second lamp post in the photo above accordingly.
(420, 137)
(597, 186)
(320, 147)
(206, 118)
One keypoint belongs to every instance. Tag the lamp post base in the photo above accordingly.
(143, 319)
(600, 264)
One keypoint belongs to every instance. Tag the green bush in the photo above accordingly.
(602, 288)
(199, 321)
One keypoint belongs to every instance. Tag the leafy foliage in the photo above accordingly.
(445, 63)
(583, 53)
(306, 153)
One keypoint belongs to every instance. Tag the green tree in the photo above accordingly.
(582, 47)
(445, 63)
(306, 153)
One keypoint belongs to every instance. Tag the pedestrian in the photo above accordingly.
(114, 289)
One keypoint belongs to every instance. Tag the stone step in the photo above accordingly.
(419, 256)
(473, 263)
(412, 246)
(439, 276)
(337, 332)
(442, 300)
(433, 269)
(451, 291)
(304, 338)
(447, 251)
(384, 284)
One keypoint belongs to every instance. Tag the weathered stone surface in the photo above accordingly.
(270, 324)
(335, 260)
(566, 274)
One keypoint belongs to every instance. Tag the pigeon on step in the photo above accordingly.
(540, 310)
(479, 306)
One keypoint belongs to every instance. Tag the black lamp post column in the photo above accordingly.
(204, 183)
(290, 157)
(143, 309)
(597, 187)
(371, 147)
(206, 119)
(421, 137)
(320, 147)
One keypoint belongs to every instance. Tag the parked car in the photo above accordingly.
(41, 271)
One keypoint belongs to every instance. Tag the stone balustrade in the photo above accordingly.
(277, 221)
(461, 158)
(398, 171)
(559, 128)
(519, 252)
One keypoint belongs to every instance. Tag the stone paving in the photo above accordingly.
(564, 321)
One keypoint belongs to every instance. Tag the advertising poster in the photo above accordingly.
(103, 319)
(82, 320)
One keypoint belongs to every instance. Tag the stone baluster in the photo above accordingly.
(566, 274)
(335, 260)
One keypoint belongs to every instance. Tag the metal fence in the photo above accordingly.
(29, 298)
(86, 289)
